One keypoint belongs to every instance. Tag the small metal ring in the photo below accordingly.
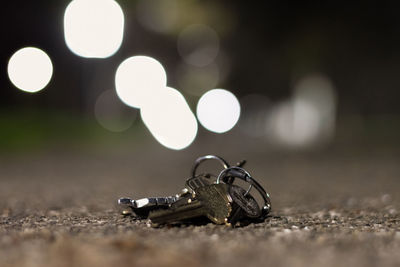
(224, 172)
(253, 183)
(224, 163)
(248, 190)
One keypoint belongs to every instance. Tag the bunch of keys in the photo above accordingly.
(218, 200)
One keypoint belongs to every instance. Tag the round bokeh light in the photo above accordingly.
(169, 119)
(93, 28)
(30, 69)
(138, 79)
(218, 110)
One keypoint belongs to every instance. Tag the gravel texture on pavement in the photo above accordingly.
(58, 209)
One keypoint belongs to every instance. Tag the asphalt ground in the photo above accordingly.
(58, 208)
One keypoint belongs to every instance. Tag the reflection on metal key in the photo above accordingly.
(142, 207)
(212, 201)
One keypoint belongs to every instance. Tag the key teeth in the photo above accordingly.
(124, 201)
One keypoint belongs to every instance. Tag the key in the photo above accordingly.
(219, 200)
(228, 176)
(212, 201)
(142, 207)
(198, 181)
(244, 206)
(220, 203)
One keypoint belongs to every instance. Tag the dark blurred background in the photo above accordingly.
(266, 51)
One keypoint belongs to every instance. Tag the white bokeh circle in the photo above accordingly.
(218, 110)
(30, 69)
(93, 28)
(138, 79)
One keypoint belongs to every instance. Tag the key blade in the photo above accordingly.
(149, 202)
(212, 201)
(142, 207)
(125, 201)
(125, 206)
(178, 213)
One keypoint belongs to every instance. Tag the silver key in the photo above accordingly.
(211, 201)
(142, 207)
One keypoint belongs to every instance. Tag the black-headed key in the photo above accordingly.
(244, 206)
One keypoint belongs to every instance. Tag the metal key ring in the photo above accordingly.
(224, 163)
(242, 174)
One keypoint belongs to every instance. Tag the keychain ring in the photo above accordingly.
(242, 174)
(224, 163)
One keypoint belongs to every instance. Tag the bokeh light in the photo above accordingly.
(218, 110)
(139, 79)
(93, 28)
(198, 45)
(294, 125)
(309, 117)
(197, 80)
(318, 91)
(169, 119)
(30, 69)
(112, 114)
